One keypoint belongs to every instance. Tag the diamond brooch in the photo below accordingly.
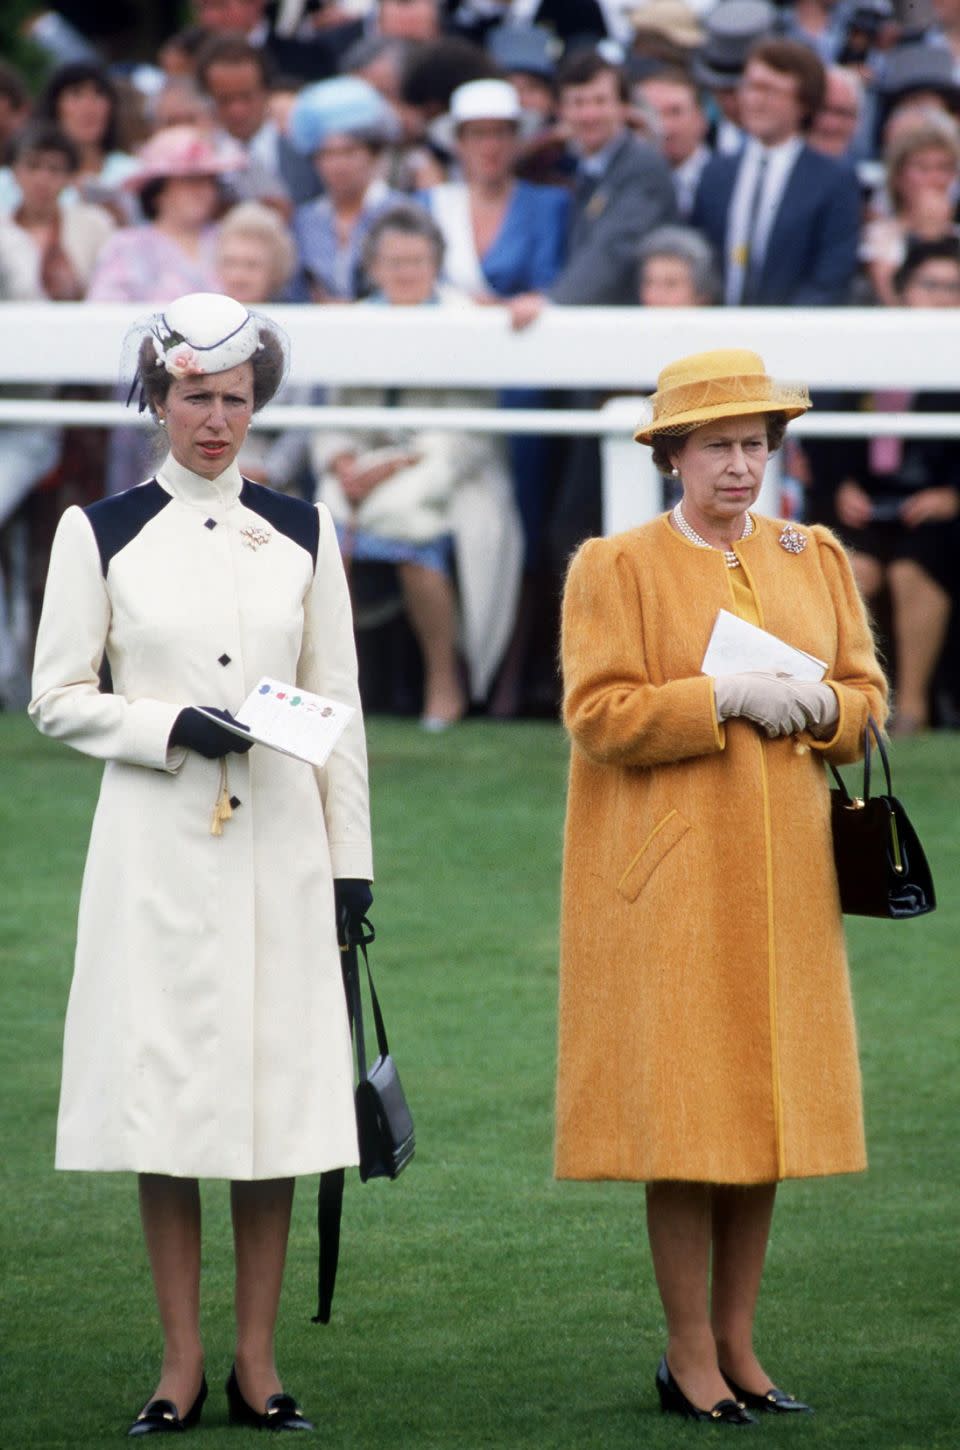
(792, 540)
(253, 536)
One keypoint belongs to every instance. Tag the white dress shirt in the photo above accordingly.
(780, 161)
(686, 179)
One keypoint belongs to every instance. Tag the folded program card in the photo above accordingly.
(736, 647)
(291, 720)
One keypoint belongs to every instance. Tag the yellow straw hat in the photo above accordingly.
(724, 383)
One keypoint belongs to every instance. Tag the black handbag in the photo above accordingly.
(881, 868)
(384, 1122)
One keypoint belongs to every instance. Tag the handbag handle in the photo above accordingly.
(871, 728)
(351, 973)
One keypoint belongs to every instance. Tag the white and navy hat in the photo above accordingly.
(200, 333)
(204, 332)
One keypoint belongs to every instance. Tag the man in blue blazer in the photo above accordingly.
(784, 219)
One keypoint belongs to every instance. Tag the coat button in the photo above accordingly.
(210, 524)
(223, 659)
(235, 801)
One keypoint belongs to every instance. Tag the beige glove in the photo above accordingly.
(766, 699)
(820, 705)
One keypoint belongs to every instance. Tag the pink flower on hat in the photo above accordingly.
(182, 361)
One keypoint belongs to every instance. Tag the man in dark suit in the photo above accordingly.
(622, 190)
(236, 77)
(294, 51)
(783, 218)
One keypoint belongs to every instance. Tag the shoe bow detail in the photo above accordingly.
(773, 1401)
(160, 1416)
(674, 1401)
(281, 1412)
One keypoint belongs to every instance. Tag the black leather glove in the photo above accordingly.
(352, 899)
(196, 731)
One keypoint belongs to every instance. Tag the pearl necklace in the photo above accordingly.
(729, 557)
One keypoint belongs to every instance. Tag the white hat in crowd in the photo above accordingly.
(488, 100)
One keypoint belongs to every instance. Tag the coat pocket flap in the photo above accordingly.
(660, 841)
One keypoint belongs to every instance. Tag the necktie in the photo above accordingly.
(754, 262)
(886, 454)
(584, 187)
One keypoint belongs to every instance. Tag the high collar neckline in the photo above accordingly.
(191, 488)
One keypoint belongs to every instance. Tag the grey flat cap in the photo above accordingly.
(528, 48)
(917, 67)
(732, 27)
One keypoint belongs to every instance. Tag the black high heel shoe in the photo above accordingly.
(160, 1416)
(674, 1401)
(774, 1402)
(282, 1412)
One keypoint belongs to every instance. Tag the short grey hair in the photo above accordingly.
(689, 246)
(412, 220)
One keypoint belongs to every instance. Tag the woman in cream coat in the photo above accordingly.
(707, 1039)
(427, 498)
(206, 1033)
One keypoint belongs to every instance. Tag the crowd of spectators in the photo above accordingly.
(524, 154)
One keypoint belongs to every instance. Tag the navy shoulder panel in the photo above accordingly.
(294, 517)
(116, 521)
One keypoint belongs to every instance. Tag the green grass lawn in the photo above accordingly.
(479, 1302)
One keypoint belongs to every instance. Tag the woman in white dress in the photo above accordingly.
(206, 1033)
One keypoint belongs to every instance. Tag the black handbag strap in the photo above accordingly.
(355, 940)
(871, 725)
(870, 729)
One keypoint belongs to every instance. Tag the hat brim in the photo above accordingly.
(681, 423)
(687, 37)
(716, 80)
(949, 90)
(139, 179)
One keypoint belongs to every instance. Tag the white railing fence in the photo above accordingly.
(608, 350)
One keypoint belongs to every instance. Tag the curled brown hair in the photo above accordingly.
(269, 362)
(669, 443)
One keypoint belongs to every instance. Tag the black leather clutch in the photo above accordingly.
(881, 866)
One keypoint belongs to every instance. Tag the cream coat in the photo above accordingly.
(460, 486)
(206, 1032)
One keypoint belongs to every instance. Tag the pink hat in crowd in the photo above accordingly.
(183, 151)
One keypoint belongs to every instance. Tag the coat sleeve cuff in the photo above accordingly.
(351, 860)
(831, 741)
(148, 726)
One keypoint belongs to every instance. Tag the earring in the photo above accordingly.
(674, 473)
(161, 421)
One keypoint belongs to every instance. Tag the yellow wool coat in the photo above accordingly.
(706, 1026)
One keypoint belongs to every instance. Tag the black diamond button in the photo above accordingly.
(223, 659)
(210, 524)
(235, 801)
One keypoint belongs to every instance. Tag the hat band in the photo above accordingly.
(711, 392)
(733, 68)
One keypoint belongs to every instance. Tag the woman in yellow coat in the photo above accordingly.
(707, 1041)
